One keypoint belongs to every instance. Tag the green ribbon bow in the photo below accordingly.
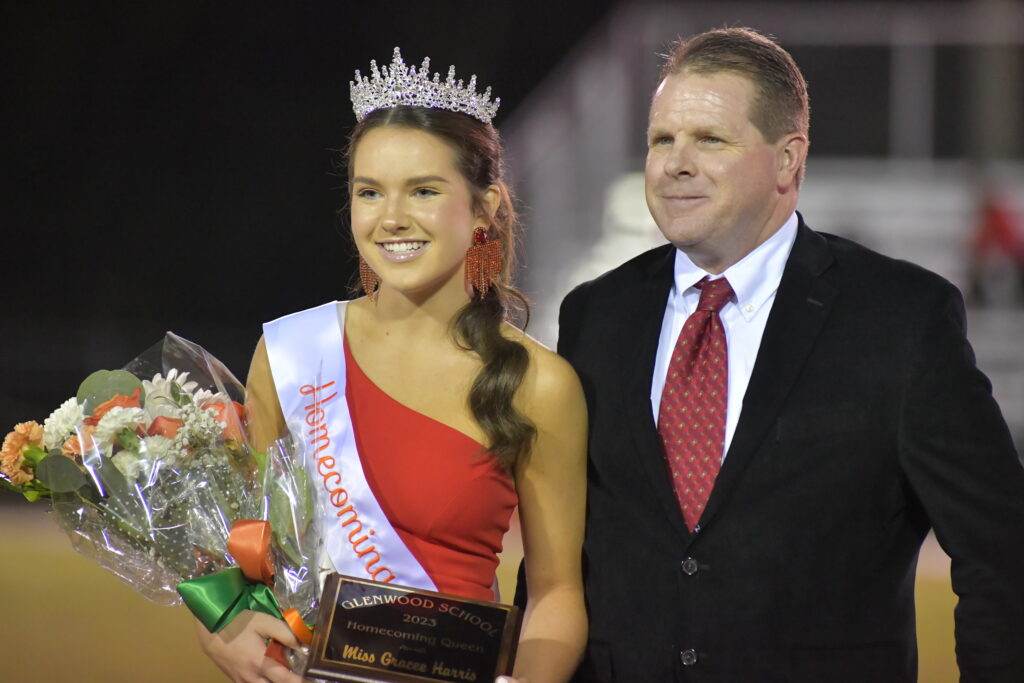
(218, 598)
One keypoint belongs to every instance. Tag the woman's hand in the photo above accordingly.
(238, 648)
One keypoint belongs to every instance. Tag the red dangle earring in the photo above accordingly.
(483, 261)
(368, 279)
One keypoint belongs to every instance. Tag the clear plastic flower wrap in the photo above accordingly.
(299, 561)
(297, 543)
(147, 467)
(148, 470)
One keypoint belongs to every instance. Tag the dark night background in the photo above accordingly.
(173, 165)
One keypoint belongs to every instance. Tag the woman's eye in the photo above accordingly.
(367, 193)
(425, 192)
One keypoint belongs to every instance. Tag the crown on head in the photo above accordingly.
(399, 85)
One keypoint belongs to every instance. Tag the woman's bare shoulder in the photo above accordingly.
(550, 378)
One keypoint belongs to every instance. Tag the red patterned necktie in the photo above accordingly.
(691, 418)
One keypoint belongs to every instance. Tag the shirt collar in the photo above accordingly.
(754, 278)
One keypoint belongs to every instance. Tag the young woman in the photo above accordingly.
(457, 415)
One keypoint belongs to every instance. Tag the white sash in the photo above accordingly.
(307, 360)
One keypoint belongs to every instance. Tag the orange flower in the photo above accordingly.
(231, 415)
(19, 476)
(32, 431)
(165, 426)
(12, 462)
(117, 401)
(73, 447)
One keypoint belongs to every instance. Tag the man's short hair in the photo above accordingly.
(780, 93)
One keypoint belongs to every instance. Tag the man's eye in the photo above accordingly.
(661, 140)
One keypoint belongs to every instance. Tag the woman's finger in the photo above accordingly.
(273, 628)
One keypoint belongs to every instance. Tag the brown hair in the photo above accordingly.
(477, 326)
(780, 93)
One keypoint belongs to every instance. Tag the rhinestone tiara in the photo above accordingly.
(399, 85)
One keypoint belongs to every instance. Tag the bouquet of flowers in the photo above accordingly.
(148, 470)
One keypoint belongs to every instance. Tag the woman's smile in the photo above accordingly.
(398, 251)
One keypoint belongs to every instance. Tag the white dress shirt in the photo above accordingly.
(754, 280)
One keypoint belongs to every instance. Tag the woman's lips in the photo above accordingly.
(400, 251)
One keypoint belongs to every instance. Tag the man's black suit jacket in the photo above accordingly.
(865, 423)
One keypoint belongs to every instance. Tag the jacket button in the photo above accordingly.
(689, 566)
(688, 657)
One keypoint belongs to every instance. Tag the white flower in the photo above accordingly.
(203, 398)
(61, 422)
(163, 410)
(130, 464)
(200, 428)
(160, 390)
(114, 421)
(156, 447)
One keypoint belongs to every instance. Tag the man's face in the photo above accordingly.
(712, 181)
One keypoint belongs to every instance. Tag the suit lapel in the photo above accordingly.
(801, 306)
(638, 339)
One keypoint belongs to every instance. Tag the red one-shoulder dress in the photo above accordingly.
(449, 501)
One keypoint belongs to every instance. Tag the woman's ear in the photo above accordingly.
(489, 204)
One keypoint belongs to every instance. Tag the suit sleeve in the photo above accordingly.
(570, 316)
(959, 458)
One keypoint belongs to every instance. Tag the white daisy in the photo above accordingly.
(162, 410)
(204, 397)
(160, 390)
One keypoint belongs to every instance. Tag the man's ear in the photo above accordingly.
(792, 153)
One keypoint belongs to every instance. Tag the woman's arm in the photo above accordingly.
(264, 420)
(551, 483)
(238, 649)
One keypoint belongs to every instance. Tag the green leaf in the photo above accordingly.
(290, 517)
(103, 385)
(128, 440)
(176, 393)
(117, 487)
(31, 495)
(60, 474)
(121, 505)
(89, 493)
(305, 499)
(261, 463)
(33, 454)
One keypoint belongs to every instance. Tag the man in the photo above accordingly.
(777, 419)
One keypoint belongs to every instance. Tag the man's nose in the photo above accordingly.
(680, 160)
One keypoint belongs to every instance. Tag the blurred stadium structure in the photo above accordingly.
(942, 83)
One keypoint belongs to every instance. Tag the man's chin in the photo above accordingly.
(683, 234)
